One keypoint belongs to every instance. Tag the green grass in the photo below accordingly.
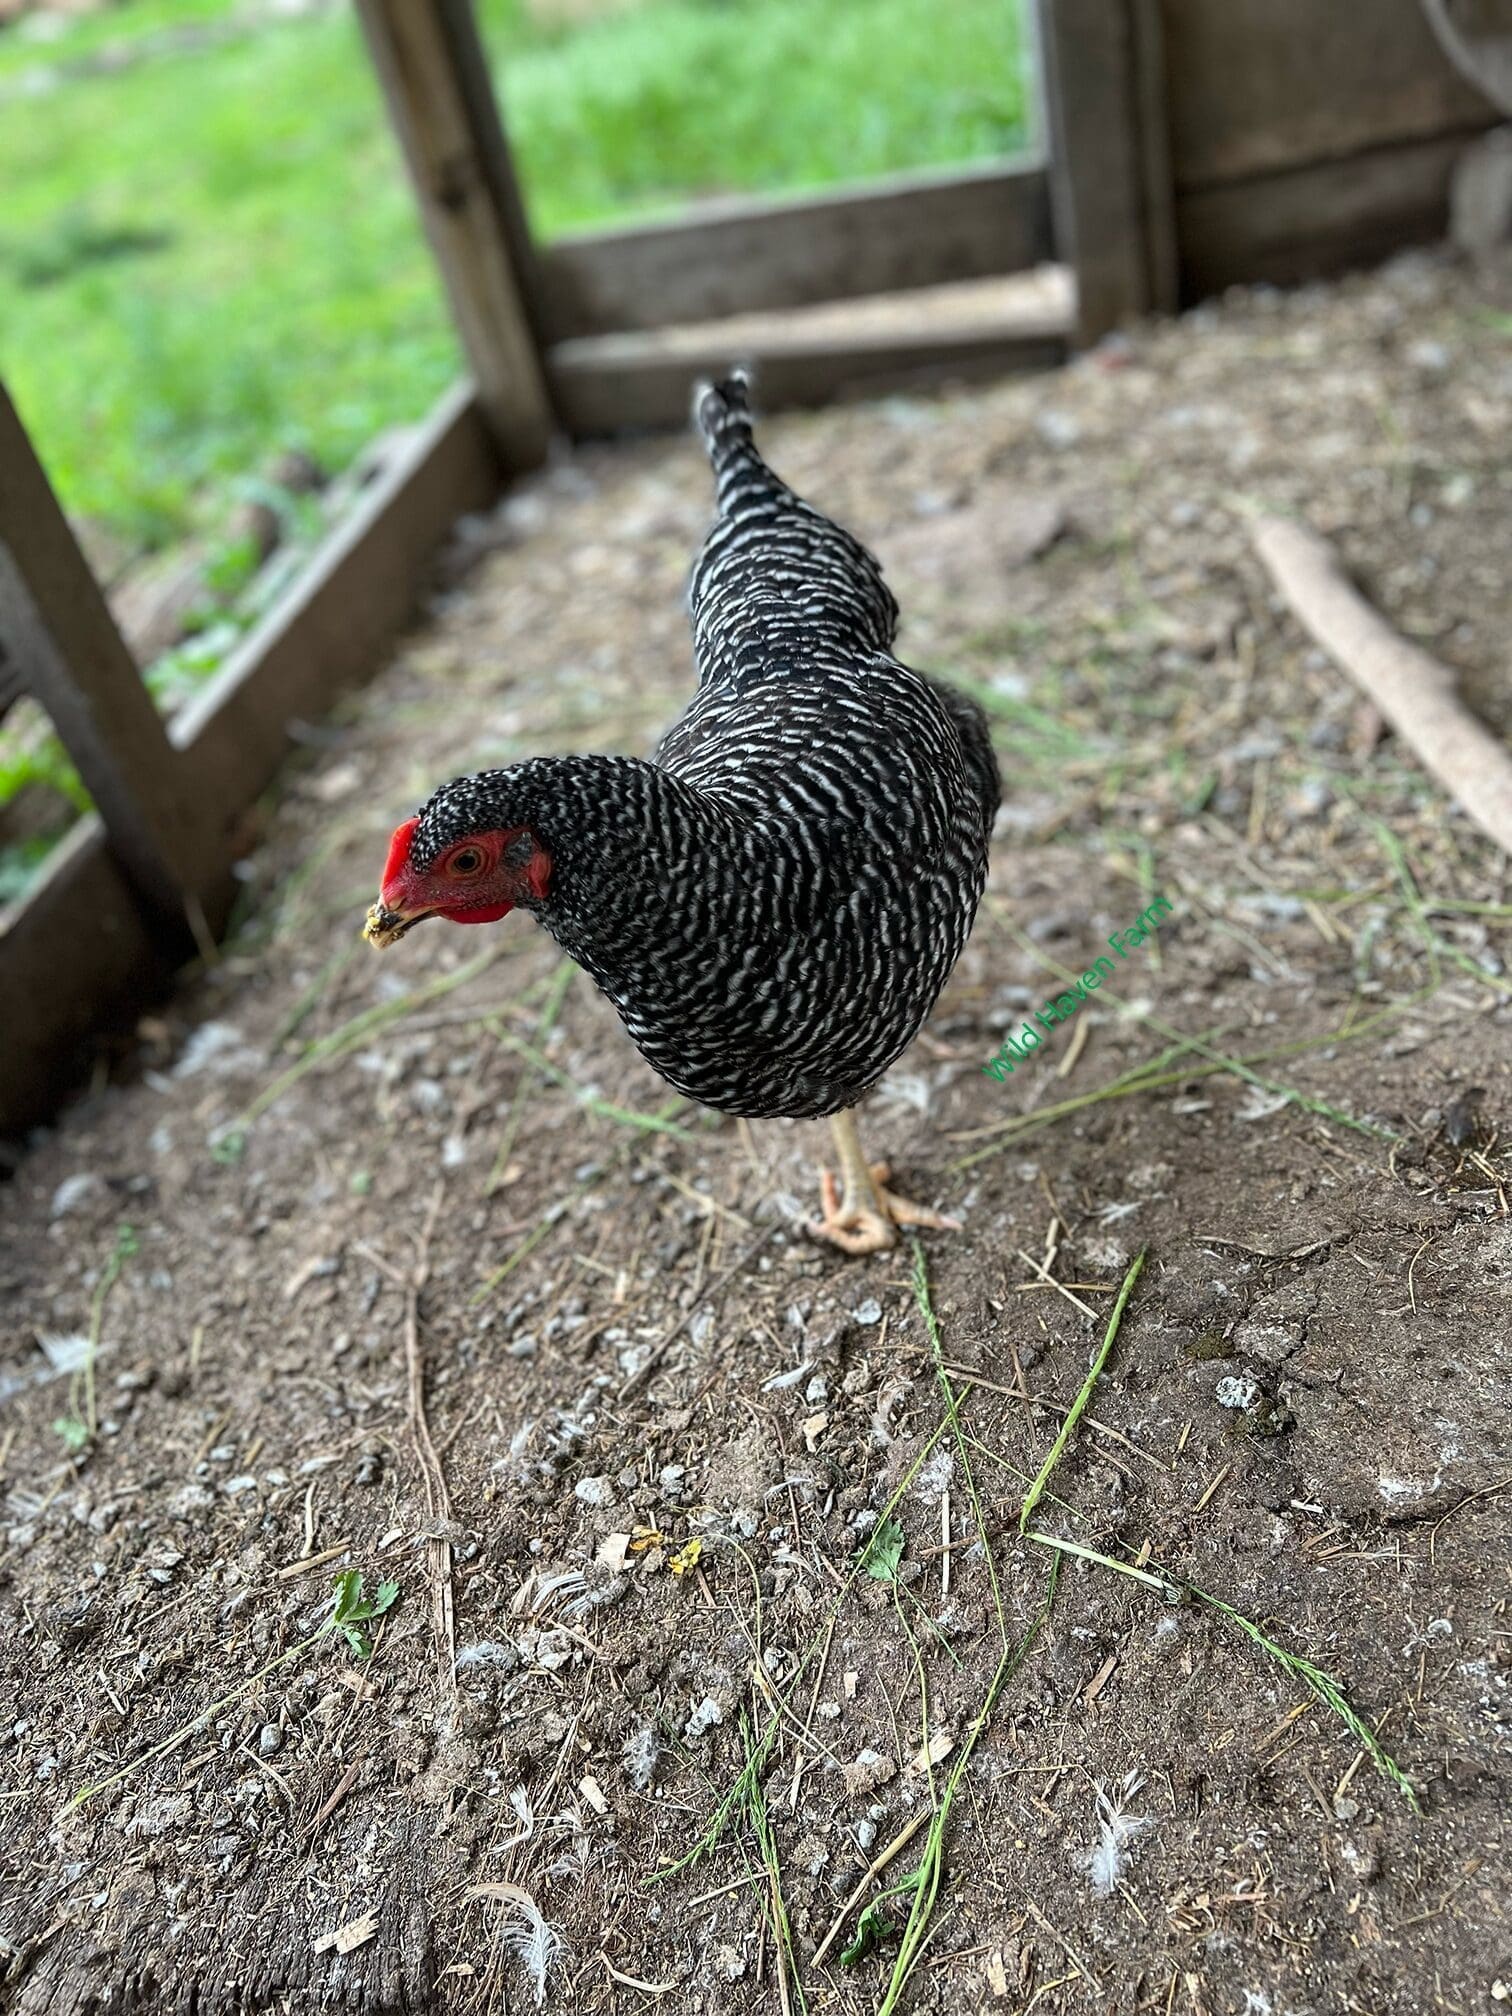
(213, 253)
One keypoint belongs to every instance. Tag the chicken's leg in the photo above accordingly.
(860, 1214)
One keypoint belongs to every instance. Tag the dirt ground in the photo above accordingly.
(343, 1174)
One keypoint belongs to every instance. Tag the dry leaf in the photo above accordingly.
(940, 1745)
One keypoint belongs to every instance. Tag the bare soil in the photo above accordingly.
(346, 1174)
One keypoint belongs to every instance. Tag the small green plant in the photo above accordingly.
(883, 1551)
(351, 1609)
(874, 1925)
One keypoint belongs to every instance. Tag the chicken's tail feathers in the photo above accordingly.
(722, 411)
(722, 415)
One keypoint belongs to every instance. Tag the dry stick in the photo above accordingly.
(1078, 1405)
(894, 1848)
(1414, 692)
(437, 1499)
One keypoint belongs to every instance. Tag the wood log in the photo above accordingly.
(1413, 691)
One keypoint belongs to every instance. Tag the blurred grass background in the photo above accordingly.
(208, 250)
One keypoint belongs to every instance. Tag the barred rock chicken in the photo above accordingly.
(774, 900)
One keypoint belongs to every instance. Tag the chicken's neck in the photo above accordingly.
(645, 867)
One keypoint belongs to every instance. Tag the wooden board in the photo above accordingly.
(76, 960)
(75, 955)
(1308, 222)
(66, 651)
(1110, 172)
(11, 688)
(435, 81)
(732, 258)
(619, 384)
(1257, 85)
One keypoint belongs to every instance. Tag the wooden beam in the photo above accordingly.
(1309, 222)
(78, 958)
(66, 651)
(621, 384)
(75, 953)
(739, 257)
(1109, 169)
(435, 78)
(10, 682)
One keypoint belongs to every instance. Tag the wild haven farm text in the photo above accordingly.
(1016, 1049)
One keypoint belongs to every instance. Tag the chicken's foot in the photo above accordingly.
(861, 1215)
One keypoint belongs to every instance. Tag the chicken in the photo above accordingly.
(773, 901)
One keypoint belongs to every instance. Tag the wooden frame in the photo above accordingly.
(1103, 66)
(742, 257)
(63, 647)
(83, 951)
(435, 81)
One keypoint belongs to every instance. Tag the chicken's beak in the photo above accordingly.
(386, 927)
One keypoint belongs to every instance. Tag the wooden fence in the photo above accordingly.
(1192, 144)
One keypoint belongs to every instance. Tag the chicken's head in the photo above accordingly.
(446, 862)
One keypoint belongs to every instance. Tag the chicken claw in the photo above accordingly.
(865, 1217)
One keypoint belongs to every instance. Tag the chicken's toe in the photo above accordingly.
(903, 1211)
(856, 1230)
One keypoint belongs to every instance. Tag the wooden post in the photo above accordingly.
(1110, 175)
(64, 649)
(440, 97)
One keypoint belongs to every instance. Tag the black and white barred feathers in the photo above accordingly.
(774, 901)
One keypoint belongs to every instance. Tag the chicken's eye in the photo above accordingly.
(467, 861)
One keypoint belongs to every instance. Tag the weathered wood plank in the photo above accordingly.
(1109, 181)
(1308, 222)
(1152, 138)
(11, 688)
(75, 955)
(327, 631)
(435, 80)
(68, 654)
(1266, 85)
(738, 257)
(1476, 36)
(622, 384)
(78, 958)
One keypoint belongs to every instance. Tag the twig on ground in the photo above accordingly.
(1414, 692)
(437, 1498)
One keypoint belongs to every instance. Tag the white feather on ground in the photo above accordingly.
(1116, 1828)
(536, 1943)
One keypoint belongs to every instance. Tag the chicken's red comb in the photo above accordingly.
(398, 854)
